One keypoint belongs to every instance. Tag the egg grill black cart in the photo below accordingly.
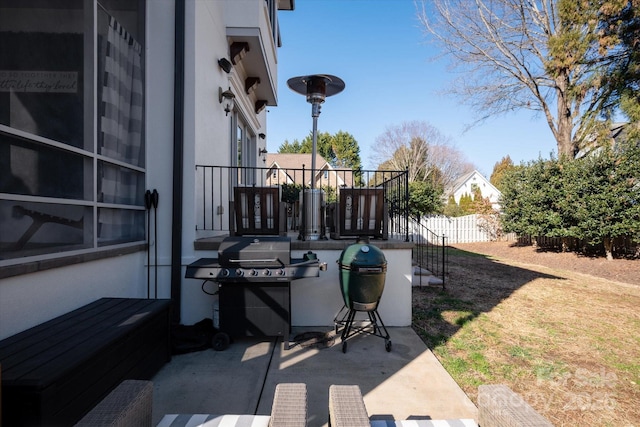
(362, 276)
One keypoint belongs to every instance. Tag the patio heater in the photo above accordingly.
(316, 88)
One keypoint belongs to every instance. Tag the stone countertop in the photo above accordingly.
(212, 243)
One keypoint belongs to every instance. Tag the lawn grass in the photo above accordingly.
(568, 343)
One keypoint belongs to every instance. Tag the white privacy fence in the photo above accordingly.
(462, 229)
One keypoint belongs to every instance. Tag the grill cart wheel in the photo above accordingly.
(220, 341)
(387, 345)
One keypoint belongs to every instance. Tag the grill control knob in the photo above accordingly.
(280, 272)
(224, 272)
(254, 272)
(266, 272)
(239, 272)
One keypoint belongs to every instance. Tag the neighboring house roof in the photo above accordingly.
(618, 130)
(464, 185)
(294, 160)
(617, 133)
(289, 168)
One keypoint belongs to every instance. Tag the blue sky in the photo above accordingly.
(380, 50)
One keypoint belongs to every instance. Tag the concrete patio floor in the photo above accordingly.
(406, 383)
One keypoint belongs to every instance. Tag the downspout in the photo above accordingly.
(178, 157)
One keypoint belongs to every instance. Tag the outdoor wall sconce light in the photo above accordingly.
(228, 98)
(225, 64)
(262, 152)
(260, 105)
(262, 136)
(238, 51)
(250, 84)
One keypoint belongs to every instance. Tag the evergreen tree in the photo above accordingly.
(346, 150)
(340, 150)
(466, 204)
(290, 148)
(499, 169)
(452, 208)
(619, 39)
(324, 146)
(595, 198)
(424, 199)
(605, 190)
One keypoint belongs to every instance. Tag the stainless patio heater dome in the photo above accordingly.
(316, 88)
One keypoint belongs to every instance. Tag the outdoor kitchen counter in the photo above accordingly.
(316, 301)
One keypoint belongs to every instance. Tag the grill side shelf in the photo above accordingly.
(200, 269)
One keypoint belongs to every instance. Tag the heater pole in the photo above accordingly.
(315, 113)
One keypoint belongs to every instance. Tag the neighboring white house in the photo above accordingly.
(467, 184)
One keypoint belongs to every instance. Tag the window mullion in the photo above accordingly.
(90, 106)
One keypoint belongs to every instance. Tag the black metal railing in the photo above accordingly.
(429, 253)
(216, 185)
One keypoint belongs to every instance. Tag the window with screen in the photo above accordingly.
(72, 170)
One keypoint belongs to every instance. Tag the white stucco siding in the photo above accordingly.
(30, 299)
(316, 301)
(211, 127)
(195, 304)
(159, 135)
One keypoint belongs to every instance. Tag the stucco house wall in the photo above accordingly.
(29, 299)
(53, 285)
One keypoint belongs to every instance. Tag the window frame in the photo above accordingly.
(59, 255)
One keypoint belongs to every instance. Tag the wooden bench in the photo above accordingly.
(56, 372)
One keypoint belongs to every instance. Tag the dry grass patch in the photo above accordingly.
(567, 342)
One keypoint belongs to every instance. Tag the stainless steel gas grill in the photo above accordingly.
(254, 275)
(254, 260)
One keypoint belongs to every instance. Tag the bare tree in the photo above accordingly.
(422, 150)
(540, 55)
(450, 163)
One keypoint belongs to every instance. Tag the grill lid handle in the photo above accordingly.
(271, 260)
